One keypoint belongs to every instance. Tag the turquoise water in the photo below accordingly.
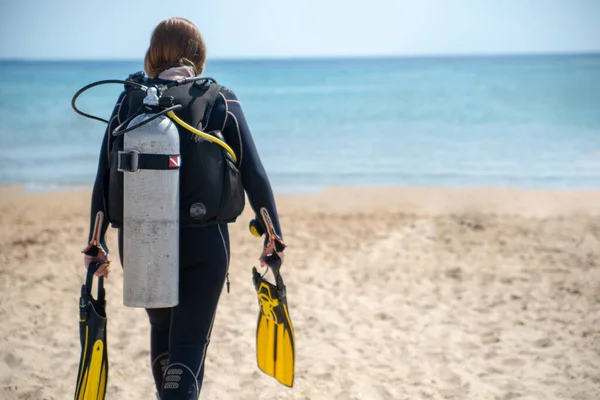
(526, 121)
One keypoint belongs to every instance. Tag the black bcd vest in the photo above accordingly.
(210, 184)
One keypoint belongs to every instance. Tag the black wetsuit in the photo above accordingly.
(180, 335)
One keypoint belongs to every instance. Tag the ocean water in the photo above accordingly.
(519, 121)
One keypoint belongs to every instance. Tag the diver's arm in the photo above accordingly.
(98, 220)
(254, 177)
(98, 216)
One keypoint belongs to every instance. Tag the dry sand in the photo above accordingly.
(394, 293)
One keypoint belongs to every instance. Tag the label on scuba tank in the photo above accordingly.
(197, 210)
(174, 162)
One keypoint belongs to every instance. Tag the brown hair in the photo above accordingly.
(175, 42)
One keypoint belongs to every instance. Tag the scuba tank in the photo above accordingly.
(150, 209)
(150, 163)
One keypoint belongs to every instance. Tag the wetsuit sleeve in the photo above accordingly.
(254, 177)
(98, 215)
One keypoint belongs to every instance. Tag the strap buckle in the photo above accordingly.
(128, 161)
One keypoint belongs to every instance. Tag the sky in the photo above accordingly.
(111, 29)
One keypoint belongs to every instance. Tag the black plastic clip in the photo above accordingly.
(128, 161)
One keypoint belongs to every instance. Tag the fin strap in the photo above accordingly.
(272, 236)
(95, 245)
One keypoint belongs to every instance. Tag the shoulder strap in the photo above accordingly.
(213, 92)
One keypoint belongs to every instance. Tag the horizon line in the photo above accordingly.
(328, 57)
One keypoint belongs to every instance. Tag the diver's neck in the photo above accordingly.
(175, 73)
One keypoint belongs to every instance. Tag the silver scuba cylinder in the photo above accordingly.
(151, 215)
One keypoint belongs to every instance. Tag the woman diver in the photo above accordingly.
(180, 335)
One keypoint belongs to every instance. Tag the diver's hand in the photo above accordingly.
(267, 251)
(104, 269)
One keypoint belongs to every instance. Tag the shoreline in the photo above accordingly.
(371, 199)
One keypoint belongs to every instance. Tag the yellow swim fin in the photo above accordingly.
(275, 345)
(93, 363)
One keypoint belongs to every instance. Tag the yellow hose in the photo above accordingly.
(206, 136)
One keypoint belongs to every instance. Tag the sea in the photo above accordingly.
(530, 121)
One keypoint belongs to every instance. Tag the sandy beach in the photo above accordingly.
(395, 293)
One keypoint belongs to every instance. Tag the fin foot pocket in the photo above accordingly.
(93, 363)
(275, 343)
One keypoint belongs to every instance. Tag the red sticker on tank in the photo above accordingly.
(174, 162)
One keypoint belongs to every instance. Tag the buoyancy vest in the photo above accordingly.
(210, 184)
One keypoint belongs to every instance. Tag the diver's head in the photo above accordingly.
(175, 42)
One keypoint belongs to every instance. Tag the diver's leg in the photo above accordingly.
(192, 319)
(160, 321)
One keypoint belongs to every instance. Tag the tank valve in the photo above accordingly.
(151, 98)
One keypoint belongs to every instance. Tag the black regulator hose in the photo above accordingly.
(91, 85)
(163, 102)
(178, 82)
